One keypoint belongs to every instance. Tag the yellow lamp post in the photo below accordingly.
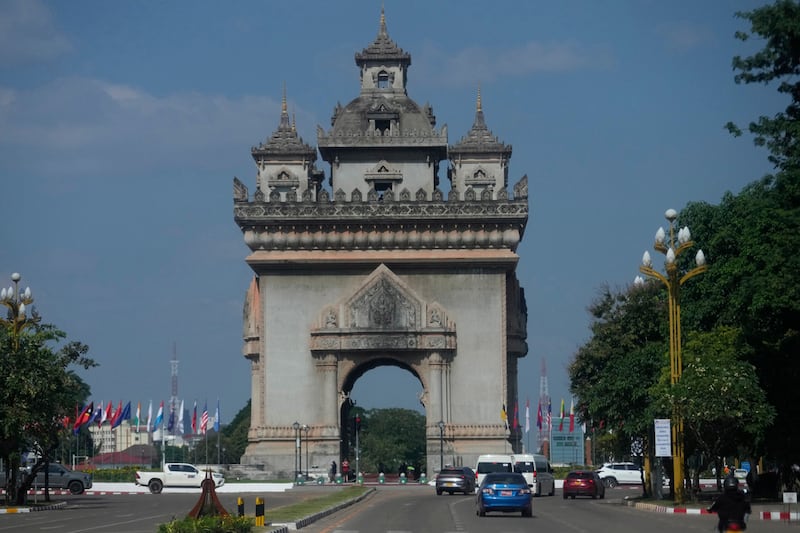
(673, 281)
(17, 319)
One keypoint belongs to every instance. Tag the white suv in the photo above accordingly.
(614, 474)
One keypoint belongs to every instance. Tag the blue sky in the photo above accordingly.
(122, 125)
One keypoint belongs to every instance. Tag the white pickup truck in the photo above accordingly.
(176, 475)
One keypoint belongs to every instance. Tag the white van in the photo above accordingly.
(537, 471)
(491, 463)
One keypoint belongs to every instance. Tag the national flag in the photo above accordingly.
(95, 415)
(549, 413)
(516, 420)
(561, 424)
(216, 418)
(180, 419)
(116, 415)
(138, 420)
(194, 419)
(109, 412)
(527, 415)
(504, 415)
(571, 415)
(171, 420)
(159, 416)
(204, 420)
(149, 415)
(82, 418)
(124, 415)
(539, 415)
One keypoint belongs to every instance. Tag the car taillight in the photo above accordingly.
(534, 474)
(137, 475)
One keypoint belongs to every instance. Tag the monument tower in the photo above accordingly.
(381, 267)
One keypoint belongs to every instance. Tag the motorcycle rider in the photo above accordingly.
(731, 506)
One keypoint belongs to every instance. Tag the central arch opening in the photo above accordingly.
(384, 398)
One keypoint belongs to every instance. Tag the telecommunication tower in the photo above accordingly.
(544, 405)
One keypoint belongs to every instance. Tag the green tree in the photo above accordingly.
(613, 373)
(778, 25)
(724, 408)
(391, 437)
(38, 390)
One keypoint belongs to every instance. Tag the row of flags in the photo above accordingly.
(90, 414)
(540, 417)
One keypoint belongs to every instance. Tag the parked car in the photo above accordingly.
(614, 474)
(60, 477)
(506, 492)
(455, 479)
(583, 483)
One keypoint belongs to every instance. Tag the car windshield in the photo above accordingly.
(509, 479)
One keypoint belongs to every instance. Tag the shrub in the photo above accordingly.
(209, 524)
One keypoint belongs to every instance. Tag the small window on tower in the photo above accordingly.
(383, 80)
(383, 126)
(381, 187)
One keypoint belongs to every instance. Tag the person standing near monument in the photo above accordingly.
(333, 471)
(345, 469)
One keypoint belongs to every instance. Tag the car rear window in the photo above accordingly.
(486, 468)
(580, 475)
(505, 478)
(452, 472)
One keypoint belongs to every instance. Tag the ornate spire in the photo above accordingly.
(285, 139)
(383, 48)
(480, 138)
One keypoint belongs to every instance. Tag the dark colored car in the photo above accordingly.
(583, 483)
(455, 479)
(506, 492)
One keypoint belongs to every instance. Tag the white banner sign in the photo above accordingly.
(789, 497)
(663, 437)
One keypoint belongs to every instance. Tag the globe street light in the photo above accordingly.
(16, 301)
(441, 444)
(305, 430)
(296, 427)
(673, 281)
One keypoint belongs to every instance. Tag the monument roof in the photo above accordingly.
(480, 139)
(383, 48)
(285, 141)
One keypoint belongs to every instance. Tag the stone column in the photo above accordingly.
(436, 398)
(328, 365)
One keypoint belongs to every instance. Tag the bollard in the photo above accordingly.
(423, 478)
(338, 479)
(381, 478)
(300, 480)
(240, 506)
(360, 478)
(259, 511)
(320, 480)
(402, 479)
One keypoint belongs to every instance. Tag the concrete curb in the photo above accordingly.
(762, 515)
(17, 510)
(303, 522)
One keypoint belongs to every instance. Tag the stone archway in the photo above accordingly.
(385, 320)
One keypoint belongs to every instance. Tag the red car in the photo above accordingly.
(583, 483)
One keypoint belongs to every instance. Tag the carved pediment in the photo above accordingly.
(383, 302)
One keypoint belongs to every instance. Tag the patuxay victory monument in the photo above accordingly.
(369, 263)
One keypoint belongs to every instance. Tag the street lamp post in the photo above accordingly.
(16, 301)
(673, 281)
(296, 427)
(441, 444)
(305, 430)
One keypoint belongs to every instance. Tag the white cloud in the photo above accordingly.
(92, 126)
(485, 63)
(684, 36)
(28, 34)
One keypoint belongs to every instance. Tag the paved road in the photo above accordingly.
(393, 508)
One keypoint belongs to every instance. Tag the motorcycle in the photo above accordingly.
(733, 526)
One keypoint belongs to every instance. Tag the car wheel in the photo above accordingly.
(602, 495)
(527, 512)
(552, 490)
(594, 496)
(155, 486)
(481, 511)
(538, 490)
(438, 492)
(75, 487)
(610, 482)
(566, 496)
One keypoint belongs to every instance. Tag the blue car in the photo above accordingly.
(505, 492)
